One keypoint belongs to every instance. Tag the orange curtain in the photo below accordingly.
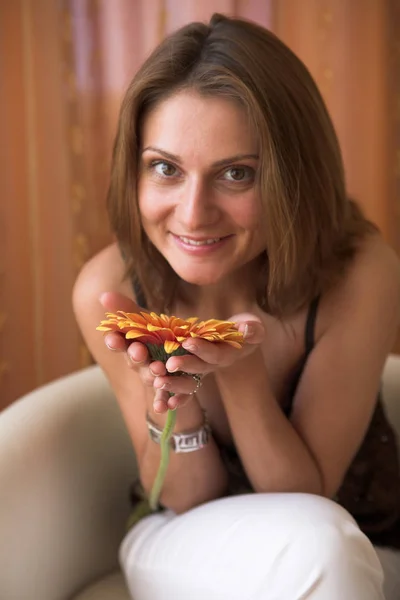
(63, 69)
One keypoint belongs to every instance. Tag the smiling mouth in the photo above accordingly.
(203, 242)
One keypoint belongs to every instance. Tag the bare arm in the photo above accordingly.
(337, 392)
(273, 454)
(191, 478)
(336, 395)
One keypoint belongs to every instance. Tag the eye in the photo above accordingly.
(239, 174)
(163, 168)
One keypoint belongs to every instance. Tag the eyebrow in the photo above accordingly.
(218, 163)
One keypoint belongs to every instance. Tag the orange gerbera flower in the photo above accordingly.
(170, 332)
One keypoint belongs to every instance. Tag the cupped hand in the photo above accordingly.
(206, 357)
(136, 354)
(152, 373)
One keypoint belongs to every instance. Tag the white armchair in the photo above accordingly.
(66, 463)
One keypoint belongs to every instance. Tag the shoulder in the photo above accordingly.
(369, 289)
(105, 272)
(375, 262)
(102, 273)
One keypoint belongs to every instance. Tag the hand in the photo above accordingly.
(138, 359)
(206, 357)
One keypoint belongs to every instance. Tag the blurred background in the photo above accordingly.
(64, 66)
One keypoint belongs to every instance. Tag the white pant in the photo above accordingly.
(252, 547)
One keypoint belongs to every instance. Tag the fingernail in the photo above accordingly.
(133, 360)
(248, 330)
(152, 372)
(172, 370)
(165, 386)
(189, 346)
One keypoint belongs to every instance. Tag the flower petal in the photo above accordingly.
(170, 346)
(134, 334)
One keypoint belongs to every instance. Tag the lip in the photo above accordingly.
(200, 250)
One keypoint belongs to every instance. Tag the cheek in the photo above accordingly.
(153, 204)
(246, 213)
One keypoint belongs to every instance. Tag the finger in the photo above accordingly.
(148, 376)
(251, 327)
(157, 368)
(187, 363)
(114, 301)
(183, 384)
(138, 353)
(221, 353)
(253, 332)
(116, 341)
(178, 401)
(160, 402)
(213, 353)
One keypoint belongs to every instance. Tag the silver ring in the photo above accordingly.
(199, 383)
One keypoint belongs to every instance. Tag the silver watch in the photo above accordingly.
(182, 442)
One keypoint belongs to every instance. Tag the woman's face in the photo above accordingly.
(197, 191)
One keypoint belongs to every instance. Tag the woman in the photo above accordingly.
(227, 199)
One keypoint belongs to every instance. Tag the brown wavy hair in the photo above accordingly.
(313, 228)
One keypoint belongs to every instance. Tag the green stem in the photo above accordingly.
(162, 469)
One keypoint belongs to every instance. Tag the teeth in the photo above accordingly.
(199, 243)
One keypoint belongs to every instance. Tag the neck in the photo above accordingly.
(235, 294)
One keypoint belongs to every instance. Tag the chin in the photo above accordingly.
(194, 277)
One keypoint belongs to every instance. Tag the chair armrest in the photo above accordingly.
(66, 462)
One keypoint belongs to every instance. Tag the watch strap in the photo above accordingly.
(189, 441)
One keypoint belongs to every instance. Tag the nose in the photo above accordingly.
(197, 206)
